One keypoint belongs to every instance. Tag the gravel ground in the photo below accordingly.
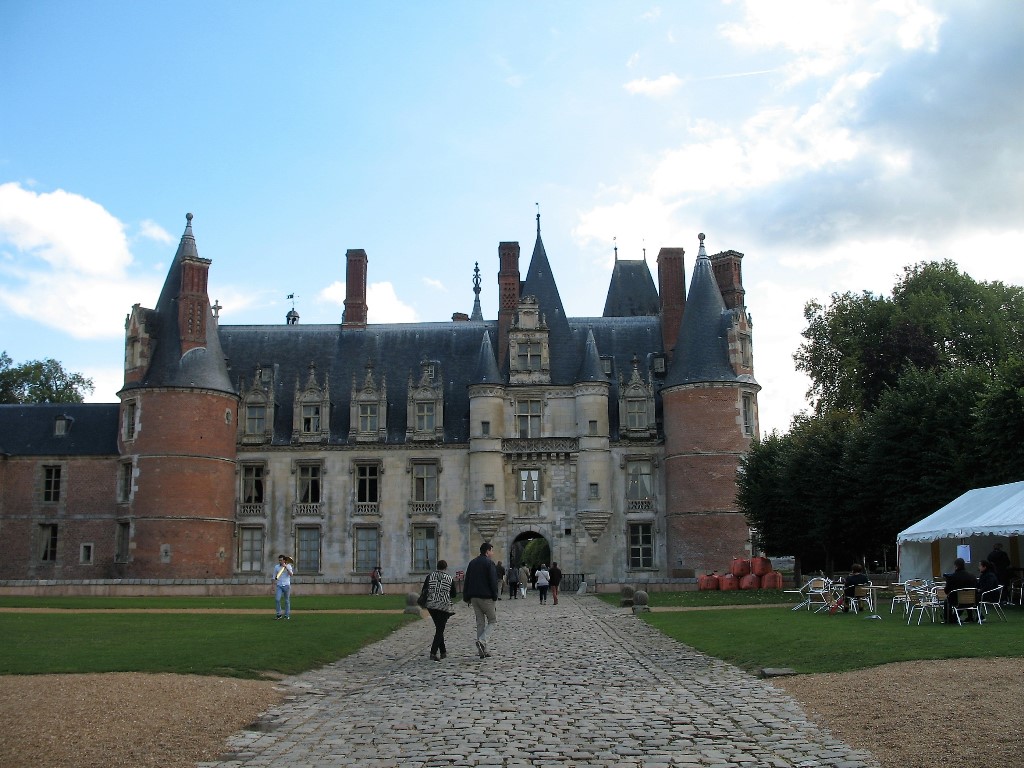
(901, 713)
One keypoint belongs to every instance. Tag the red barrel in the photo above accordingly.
(728, 581)
(760, 565)
(739, 567)
(707, 581)
(771, 580)
(750, 581)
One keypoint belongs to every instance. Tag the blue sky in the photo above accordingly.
(833, 143)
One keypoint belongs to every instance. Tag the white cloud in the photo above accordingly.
(437, 285)
(65, 230)
(382, 303)
(663, 86)
(152, 231)
(66, 265)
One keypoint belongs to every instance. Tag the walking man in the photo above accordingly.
(480, 590)
(555, 577)
(283, 587)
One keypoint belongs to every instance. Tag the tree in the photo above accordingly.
(999, 429)
(40, 381)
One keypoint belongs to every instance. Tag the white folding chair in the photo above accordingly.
(989, 601)
(966, 601)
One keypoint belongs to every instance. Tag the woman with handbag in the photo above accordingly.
(436, 596)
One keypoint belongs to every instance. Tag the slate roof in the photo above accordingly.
(200, 367)
(631, 291)
(28, 430)
(702, 346)
(540, 283)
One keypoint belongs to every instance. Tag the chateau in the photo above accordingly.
(615, 438)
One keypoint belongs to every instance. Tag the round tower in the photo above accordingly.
(177, 481)
(710, 416)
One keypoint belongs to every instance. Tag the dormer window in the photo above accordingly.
(636, 406)
(529, 356)
(425, 405)
(368, 409)
(61, 426)
(311, 410)
(256, 411)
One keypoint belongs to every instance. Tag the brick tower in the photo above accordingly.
(176, 482)
(710, 417)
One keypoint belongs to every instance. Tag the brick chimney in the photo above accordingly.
(193, 303)
(508, 295)
(355, 289)
(728, 269)
(672, 293)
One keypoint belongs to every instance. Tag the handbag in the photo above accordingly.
(421, 601)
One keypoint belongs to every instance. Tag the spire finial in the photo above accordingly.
(644, 241)
(188, 219)
(616, 246)
(538, 218)
(477, 313)
(701, 238)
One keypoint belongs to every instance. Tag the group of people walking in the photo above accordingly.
(484, 584)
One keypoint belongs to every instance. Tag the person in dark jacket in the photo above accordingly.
(555, 577)
(513, 582)
(987, 579)
(1000, 562)
(856, 578)
(958, 579)
(480, 590)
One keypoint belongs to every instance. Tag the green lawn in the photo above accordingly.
(760, 633)
(234, 645)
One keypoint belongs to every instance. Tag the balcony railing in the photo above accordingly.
(367, 508)
(250, 510)
(307, 510)
(639, 505)
(424, 508)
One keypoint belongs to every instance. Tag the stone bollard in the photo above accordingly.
(626, 599)
(410, 603)
(582, 589)
(640, 600)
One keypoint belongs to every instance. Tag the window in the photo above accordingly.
(129, 420)
(85, 554)
(309, 484)
(255, 419)
(528, 417)
(51, 484)
(309, 549)
(659, 365)
(424, 547)
(367, 555)
(425, 417)
(121, 541)
(638, 479)
(368, 417)
(606, 365)
(529, 355)
(748, 414)
(310, 419)
(367, 483)
(636, 413)
(489, 491)
(595, 491)
(48, 543)
(124, 482)
(641, 545)
(424, 482)
(529, 485)
(592, 427)
(746, 355)
(252, 483)
(61, 425)
(250, 549)
(485, 428)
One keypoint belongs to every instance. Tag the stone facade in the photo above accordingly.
(354, 445)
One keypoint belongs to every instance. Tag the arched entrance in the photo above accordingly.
(529, 548)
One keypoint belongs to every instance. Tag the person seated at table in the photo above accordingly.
(987, 579)
(856, 578)
(960, 578)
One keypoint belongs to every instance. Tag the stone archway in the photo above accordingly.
(518, 549)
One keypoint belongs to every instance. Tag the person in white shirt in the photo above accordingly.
(283, 586)
(543, 582)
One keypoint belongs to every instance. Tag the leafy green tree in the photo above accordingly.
(40, 381)
(536, 552)
(999, 430)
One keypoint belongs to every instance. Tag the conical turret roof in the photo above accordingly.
(702, 346)
(202, 367)
(540, 283)
(486, 367)
(590, 366)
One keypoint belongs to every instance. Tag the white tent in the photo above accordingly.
(977, 520)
